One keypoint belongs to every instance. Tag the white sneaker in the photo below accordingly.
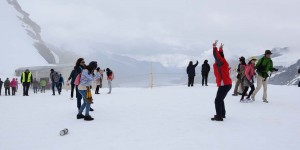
(252, 98)
(243, 101)
(71, 98)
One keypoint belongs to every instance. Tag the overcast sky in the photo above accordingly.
(166, 29)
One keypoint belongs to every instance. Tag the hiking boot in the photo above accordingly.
(91, 109)
(80, 116)
(88, 118)
(217, 118)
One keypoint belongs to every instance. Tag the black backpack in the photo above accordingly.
(298, 70)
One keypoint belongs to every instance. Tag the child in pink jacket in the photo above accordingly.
(13, 85)
(248, 79)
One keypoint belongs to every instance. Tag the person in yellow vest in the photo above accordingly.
(26, 79)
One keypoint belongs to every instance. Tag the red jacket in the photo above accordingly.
(13, 83)
(221, 68)
(250, 71)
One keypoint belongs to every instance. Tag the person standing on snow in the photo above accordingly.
(248, 79)
(190, 70)
(79, 66)
(54, 77)
(263, 67)
(43, 84)
(240, 76)
(205, 71)
(13, 85)
(26, 79)
(98, 78)
(7, 87)
(110, 77)
(72, 77)
(84, 87)
(35, 85)
(222, 74)
(1, 83)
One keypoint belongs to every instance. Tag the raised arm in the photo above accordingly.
(218, 58)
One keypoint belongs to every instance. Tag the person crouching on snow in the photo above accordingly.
(110, 77)
(224, 82)
(84, 89)
(248, 79)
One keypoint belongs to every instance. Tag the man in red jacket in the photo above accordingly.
(222, 74)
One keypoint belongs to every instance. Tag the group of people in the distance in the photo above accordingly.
(13, 85)
(81, 79)
(190, 70)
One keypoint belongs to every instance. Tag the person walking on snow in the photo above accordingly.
(248, 79)
(263, 67)
(84, 87)
(1, 83)
(26, 79)
(240, 76)
(61, 82)
(110, 77)
(190, 70)
(224, 82)
(54, 77)
(13, 85)
(7, 87)
(205, 71)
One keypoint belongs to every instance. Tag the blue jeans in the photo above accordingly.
(55, 84)
(85, 104)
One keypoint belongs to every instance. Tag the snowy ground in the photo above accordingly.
(164, 118)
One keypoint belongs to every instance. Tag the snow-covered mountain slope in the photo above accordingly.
(21, 44)
(287, 60)
(165, 118)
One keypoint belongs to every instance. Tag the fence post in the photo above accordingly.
(151, 76)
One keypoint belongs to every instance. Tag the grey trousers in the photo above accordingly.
(109, 85)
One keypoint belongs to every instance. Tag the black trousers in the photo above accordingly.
(97, 89)
(246, 90)
(0, 89)
(191, 81)
(7, 90)
(13, 90)
(204, 79)
(219, 101)
(72, 90)
(59, 87)
(25, 88)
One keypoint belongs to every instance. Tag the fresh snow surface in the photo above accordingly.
(162, 118)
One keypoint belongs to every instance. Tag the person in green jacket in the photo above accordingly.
(43, 84)
(263, 67)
